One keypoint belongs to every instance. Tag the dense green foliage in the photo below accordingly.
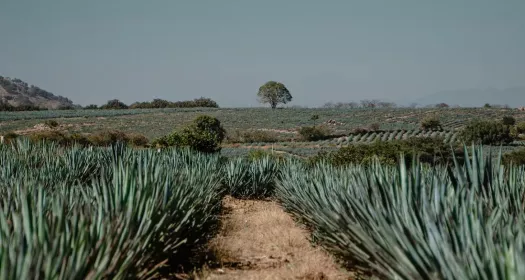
(520, 127)
(486, 133)
(515, 157)
(274, 93)
(508, 120)
(204, 134)
(91, 107)
(431, 123)
(251, 178)
(430, 150)
(101, 139)
(160, 103)
(102, 213)
(460, 222)
(114, 104)
(313, 133)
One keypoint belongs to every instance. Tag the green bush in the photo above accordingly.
(360, 130)
(114, 104)
(429, 150)
(487, 133)
(520, 127)
(52, 136)
(431, 123)
(515, 157)
(204, 134)
(51, 123)
(313, 133)
(508, 120)
(138, 140)
(101, 139)
(374, 127)
(108, 137)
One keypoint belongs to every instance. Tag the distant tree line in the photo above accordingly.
(376, 103)
(157, 104)
(366, 103)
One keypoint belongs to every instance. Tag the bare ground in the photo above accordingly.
(258, 240)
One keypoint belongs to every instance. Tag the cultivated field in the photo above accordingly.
(283, 123)
(124, 212)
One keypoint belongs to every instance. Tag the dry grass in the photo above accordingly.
(258, 240)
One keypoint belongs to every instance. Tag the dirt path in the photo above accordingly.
(258, 240)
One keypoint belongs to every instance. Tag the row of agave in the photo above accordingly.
(461, 222)
(108, 213)
(449, 136)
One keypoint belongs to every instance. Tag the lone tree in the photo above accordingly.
(274, 93)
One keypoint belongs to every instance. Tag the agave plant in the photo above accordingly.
(465, 222)
(251, 178)
(72, 213)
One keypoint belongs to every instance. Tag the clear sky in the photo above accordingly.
(331, 50)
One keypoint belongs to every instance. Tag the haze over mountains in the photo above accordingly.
(514, 97)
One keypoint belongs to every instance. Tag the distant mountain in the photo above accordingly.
(514, 97)
(18, 93)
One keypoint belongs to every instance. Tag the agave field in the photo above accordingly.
(109, 213)
(154, 123)
(120, 213)
(466, 222)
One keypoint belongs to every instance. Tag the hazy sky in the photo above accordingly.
(344, 50)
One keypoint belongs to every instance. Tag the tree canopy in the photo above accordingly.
(274, 93)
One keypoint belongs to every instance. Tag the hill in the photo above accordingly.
(18, 94)
(514, 97)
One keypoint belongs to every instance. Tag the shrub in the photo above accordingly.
(375, 127)
(91, 107)
(253, 136)
(431, 123)
(487, 133)
(51, 123)
(360, 130)
(114, 104)
(9, 137)
(508, 120)
(108, 137)
(205, 134)
(429, 150)
(313, 133)
(515, 157)
(79, 139)
(138, 140)
(160, 103)
(53, 136)
(520, 127)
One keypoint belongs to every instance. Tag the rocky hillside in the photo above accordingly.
(18, 94)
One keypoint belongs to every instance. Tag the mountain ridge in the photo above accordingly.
(17, 93)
